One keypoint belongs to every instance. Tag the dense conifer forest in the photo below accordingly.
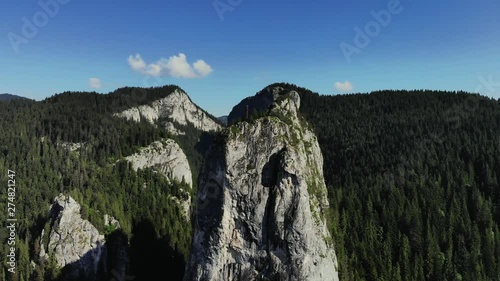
(413, 179)
(31, 144)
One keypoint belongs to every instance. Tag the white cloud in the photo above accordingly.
(175, 66)
(95, 83)
(344, 87)
(136, 62)
(202, 68)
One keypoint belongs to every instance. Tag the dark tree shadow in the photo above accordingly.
(80, 271)
(117, 256)
(152, 258)
(205, 142)
(37, 227)
(147, 258)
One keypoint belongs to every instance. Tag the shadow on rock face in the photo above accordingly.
(270, 171)
(148, 258)
(81, 271)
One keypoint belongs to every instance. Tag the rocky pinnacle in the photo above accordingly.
(261, 203)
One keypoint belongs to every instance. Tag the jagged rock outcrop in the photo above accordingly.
(260, 203)
(176, 108)
(71, 146)
(73, 241)
(260, 102)
(166, 157)
(111, 221)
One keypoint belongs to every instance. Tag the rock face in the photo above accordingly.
(169, 159)
(70, 145)
(166, 157)
(260, 203)
(111, 221)
(176, 108)
(73, 241)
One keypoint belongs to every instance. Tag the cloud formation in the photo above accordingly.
(174, 66)
(95, 83)
(344, 87)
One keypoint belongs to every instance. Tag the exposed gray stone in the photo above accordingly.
(176, 107)
(260, 203)
(73, 241)
(70, 145)
(110, 220)
(166, 157)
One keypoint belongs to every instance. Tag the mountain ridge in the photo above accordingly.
(411, 177)
(173, 110)
(9, 97)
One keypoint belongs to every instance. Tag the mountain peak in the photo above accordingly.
(289, 100)
(172, 112)
(262, 101)
(261, 200)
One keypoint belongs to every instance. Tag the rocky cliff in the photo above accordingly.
(172, 112)
(74, 242)
(165, 157)
(168, 158)
(260, 204)
(258, 103)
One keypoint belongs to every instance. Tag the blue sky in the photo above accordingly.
(222, 51)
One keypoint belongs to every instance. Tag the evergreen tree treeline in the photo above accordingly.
(413, 179)
(32, 144)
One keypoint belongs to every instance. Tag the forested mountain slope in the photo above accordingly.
(8, 97)
(413, 179)
(72, 144)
